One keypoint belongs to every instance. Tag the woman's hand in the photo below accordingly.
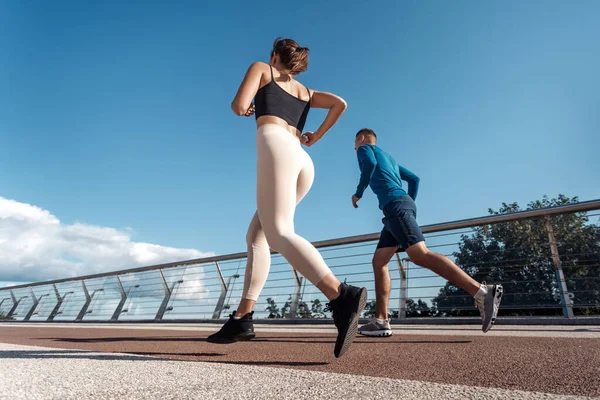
(336, 106)
(250, 111)
(310, 138)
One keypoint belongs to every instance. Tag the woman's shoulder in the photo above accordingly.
(259, 66)
(311, 91)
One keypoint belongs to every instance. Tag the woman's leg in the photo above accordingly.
(257, 266)
(285, 175)
(259, 257)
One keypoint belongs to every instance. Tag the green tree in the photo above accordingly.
(274, 312)
(518, 255)
(285, 310)
(419, 309)
(303, 310)
(272, 308)
(317, 309)
(370, 309)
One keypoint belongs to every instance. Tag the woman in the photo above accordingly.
(285, 173)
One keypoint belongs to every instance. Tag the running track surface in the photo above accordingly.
(417, 362)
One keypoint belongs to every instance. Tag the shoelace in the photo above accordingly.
(373, 320)
(479, 303)
(328, 307)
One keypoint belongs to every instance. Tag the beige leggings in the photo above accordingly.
(285, 174)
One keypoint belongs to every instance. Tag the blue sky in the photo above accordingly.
(117, 114)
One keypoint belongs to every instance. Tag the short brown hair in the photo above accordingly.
(291, 55)
(367, 132)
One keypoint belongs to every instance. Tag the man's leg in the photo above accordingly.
(487, 297)
(443, 266)
(401, 221)
(386, 248)
(383, 284)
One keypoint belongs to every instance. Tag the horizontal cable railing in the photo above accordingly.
(547, 259)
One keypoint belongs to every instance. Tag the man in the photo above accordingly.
(401, 232)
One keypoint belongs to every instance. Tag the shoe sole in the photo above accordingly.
(353, 327)
(381, 333)
(240, 338)
(498, 292)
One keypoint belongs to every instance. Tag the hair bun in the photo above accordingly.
(293, 56)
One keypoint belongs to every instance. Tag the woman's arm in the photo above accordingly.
(242, 103)
(336, 106)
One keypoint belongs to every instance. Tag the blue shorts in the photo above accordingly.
(400, 228)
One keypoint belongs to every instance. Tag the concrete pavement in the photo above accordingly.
(51, 361)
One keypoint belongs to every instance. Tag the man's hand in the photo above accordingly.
(355, 201)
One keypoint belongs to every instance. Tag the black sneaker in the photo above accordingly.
(234, 330)
(346, 310)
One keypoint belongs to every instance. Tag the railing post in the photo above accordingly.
(124, 296)
(119, 308)
(59, 301)
(223, 295)
(57, 306)
(14, 309)
(168, 290)
(402, 267)
(15, 305)
(39, 305)
(3, 300)
(88, 300)
(88, 311)
(296, 296)
(33, 307)
(165, 302)
(560, 277)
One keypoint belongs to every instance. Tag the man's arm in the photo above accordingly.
(413, 181)
(367, 163)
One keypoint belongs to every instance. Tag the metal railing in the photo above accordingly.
(544, 272)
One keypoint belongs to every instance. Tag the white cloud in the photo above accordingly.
(36, 246)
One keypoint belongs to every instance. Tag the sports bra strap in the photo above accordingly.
(272, 73)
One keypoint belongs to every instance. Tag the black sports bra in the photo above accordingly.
(272, 99)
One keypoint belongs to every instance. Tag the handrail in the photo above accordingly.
(440, 227)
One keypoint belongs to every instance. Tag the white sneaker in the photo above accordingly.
(488, 299)
(376, 327)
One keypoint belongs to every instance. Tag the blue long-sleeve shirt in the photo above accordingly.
(382, 173)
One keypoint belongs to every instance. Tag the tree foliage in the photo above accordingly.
(304, 311)
(518, 255)
(272, 308)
